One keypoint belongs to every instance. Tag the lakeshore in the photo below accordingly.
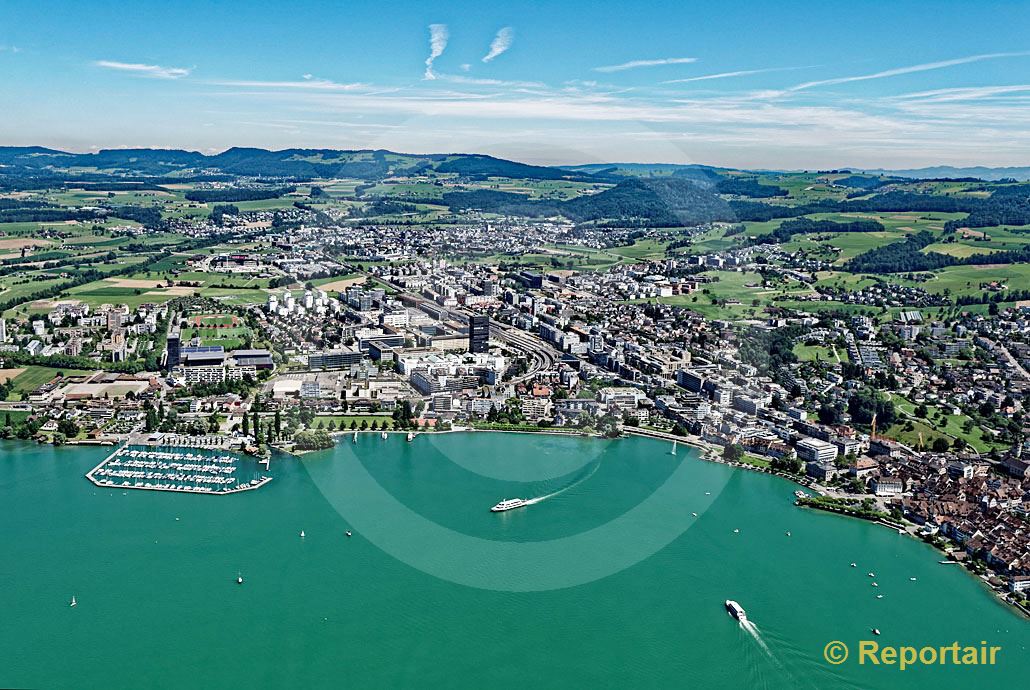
(656, 623)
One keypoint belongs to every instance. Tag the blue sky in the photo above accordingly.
(752, 84)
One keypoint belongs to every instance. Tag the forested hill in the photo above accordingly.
(294, 164)
(668, 202)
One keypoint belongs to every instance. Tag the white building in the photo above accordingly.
(815, 450)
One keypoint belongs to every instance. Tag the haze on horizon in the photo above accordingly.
(743, 86)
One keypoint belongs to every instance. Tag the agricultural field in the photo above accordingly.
(968, 280)
(646, 248)
(736, 295)
(32, 377)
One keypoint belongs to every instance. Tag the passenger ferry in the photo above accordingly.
(736, 611)
(509, 504)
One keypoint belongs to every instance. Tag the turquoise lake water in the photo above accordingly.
(607, 581)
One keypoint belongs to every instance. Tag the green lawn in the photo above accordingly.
(931, 427)
(823, 353)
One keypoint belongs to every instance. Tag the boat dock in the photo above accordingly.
(174, 469)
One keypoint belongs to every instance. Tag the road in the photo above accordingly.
(1014, 362)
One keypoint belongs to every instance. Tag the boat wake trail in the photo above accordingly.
(752, 629)
(538, 499)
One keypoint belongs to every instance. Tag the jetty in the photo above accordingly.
(173, 468)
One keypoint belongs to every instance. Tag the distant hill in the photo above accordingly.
(697, 172)
(254, 162)
(947, 171)
(666, 202)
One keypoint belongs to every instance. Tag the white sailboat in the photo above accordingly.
(411, 436)
(73, 602)
(673, 451)
(355, 439)
(302, 534)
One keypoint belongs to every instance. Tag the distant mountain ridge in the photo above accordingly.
(367, 164)
(372, 164)
(947, 171)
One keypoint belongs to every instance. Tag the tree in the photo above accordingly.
(922, 411)
(940, 444)
(868, 403)
(278, 424)
(68, 428)
(151, 423)
(733, 452)
(246, 424)
(829, 415)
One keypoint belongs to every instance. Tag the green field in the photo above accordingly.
(931, 428)
(819, 353)
(33, 377)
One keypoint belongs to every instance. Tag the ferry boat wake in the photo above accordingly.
(512, 503)
(737, 611)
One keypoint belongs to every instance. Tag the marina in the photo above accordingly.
(173, 468)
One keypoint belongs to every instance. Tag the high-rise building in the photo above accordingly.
(479, 333)
(173, 348)
(3, 331)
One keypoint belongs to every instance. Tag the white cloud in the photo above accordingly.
(464, 67)
(462, 79)
(962, 93)
(10, 49)
(634, 64)
(502, 41)
(438, 36)
(143, 70)
(925, 67)
(308, 82)
(727, 75)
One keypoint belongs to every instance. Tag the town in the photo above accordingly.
(907, 410)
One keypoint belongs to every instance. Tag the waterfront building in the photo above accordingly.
(813, 450)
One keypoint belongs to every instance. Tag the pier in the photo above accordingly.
(171, 468)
